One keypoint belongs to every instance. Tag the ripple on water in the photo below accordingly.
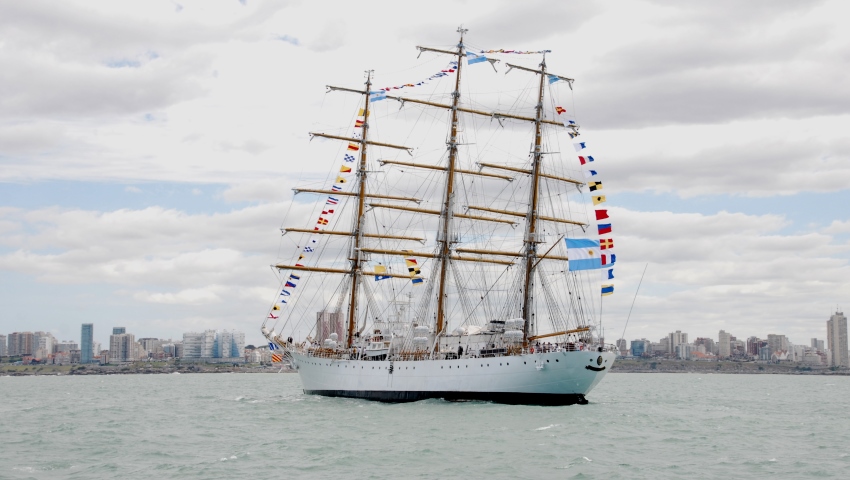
(636, 426)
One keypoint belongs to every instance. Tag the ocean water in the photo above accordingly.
(229, 426)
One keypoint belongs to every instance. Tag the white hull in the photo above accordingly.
(538, 378)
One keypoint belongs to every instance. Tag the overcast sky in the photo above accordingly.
(148, 149)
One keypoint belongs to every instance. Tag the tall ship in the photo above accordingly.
(461, 249)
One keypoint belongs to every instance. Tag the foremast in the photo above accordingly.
(531, 258)
(358, 220)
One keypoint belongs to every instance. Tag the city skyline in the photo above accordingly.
(147, 171)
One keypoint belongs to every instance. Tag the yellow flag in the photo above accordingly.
(361, 112)
(340, 180)
(598, 199)
(276, 307)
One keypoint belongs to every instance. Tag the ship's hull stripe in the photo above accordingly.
(513, 398)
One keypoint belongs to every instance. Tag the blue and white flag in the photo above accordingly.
(472, 58)
(348, 157)
(583, 254)
(610, 274)
(553, 79)
(272, 346)
(589, 173)
(579, 146)
(377, 96)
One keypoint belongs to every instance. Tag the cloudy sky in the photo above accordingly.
(148, 150)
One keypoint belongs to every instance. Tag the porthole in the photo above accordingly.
(557, 360)
(547, 360)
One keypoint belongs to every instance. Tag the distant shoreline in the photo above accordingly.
(139, 368)
(723, 367)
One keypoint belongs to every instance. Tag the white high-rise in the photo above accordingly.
(199, 344)
(836, 337)
(724, 344)
(675, 339)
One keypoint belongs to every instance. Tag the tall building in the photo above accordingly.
(641, 347)
(817, 345)
(152, 347)
(45, 344)
(21, 343)
(199, 344)
(623, 347)
(328, 323)
(777, 343)
(836, 337)
(87, 343)
(753, 344)
(119, 330)
(122, 348)
(724, 344)
(4, 349)
(230, 344)
(674, 340)
(223, 344)
(238, 345)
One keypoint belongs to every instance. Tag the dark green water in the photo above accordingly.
(261, 426)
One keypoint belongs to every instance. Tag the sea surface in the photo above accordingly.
(261, 426)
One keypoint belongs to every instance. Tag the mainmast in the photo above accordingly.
(358, 221)
(531, 223)
(446, 214)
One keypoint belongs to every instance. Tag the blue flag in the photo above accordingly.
(583, 254)
(607, 290)
(472, 58)
(610, 274)
(272, 346)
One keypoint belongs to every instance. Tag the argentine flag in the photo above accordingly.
(583, 254)
(472, 58)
